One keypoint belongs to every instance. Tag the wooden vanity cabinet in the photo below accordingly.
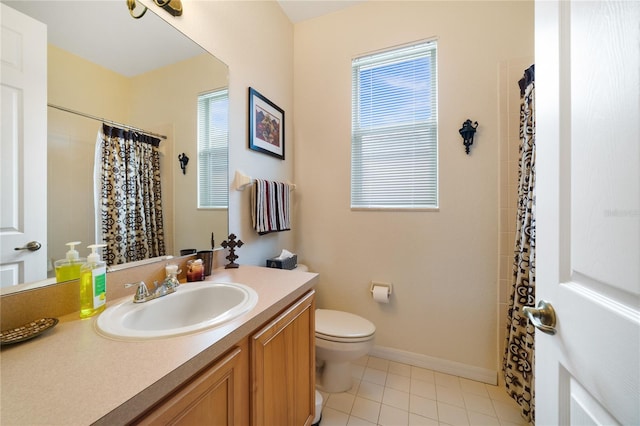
(267, 379)
(218, 395)
(283, 367)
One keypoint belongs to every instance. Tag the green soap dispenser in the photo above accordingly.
(93, 284)
(69, 268)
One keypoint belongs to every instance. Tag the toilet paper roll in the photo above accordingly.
(381, 294)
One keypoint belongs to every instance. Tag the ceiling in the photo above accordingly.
(106, 31)
(301, 10)
(105, 26)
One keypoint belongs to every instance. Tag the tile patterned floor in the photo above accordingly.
(388, 393)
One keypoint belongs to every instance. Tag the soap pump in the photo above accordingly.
(69, 268)
(93, 284)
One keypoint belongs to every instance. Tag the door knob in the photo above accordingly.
(543, 317)
(31, 246)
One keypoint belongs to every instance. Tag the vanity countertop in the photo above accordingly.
(71, 375)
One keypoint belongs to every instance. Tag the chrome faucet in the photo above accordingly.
(142, 295)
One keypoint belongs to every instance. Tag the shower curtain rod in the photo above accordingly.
(93, 117)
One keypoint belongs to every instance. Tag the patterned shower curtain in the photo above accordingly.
(519, 350)
(129, 196)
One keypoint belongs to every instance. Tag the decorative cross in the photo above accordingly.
(232, 244)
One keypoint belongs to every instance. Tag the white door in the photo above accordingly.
(23, 148)
(588, 211)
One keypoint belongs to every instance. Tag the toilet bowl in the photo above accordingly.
(341, 338)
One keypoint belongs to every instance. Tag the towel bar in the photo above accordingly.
(241, 181)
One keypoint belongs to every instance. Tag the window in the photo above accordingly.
(394, 139)
(212, 149)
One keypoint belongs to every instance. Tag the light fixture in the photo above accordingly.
(174, 7)
(467, 131)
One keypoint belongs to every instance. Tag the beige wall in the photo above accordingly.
(255, 39)
(443, 265)
(76, 83)
(180, 83)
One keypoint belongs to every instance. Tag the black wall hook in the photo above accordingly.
(183, 162)
(467, 131)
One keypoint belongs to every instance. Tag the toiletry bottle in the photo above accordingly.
(69, 268)
(195, 270)
(93, 284)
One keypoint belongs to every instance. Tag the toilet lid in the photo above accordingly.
(342, 324)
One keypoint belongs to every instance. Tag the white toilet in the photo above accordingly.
(341, 338)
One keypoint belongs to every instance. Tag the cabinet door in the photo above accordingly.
(283, 367)
(217, 396)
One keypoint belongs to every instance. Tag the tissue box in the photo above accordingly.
(289, 263)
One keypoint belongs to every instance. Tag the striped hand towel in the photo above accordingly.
(270, 206)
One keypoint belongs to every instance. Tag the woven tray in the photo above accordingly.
(27, 331)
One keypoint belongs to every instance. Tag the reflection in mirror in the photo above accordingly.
(143, 73)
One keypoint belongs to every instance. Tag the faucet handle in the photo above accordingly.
(142, 292)
(159, 290)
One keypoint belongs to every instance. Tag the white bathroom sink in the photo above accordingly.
(193, 307)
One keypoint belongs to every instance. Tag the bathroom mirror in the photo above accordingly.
(143, 73)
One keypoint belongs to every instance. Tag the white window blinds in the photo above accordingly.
(394, 145)
(212, 149)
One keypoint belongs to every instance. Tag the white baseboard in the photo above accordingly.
(437, 364)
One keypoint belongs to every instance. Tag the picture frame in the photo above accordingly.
(266, 125)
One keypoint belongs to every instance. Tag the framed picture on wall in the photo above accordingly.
(266, 125)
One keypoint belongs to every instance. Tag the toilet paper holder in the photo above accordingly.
(379, 284)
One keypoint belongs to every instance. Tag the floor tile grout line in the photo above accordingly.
(487, 394)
